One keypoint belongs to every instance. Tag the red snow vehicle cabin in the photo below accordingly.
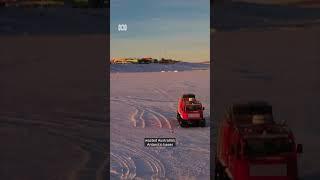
(252, 146)
(190, 111)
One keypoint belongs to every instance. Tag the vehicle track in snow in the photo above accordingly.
(150, 102)
(128, 168)
(148, 99)
(138, 116)
(163, 93)
(127, 158)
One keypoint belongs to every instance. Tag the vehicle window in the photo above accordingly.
(248, 118)
(193, 107)
(270, 146)
(189, 96)
(242, 110)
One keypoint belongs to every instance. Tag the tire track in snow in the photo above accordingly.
(159, 117)
(171, 99)
(158, 114)
(124, 166)
(133, 118)
(136, 117)
(167, 122)
(164, 93)
(171, 102)
(128, 168)
(147, 99)
(143, 122)
(156, 166)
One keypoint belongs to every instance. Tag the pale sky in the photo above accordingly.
(177, 29)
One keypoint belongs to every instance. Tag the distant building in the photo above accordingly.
(167, 61)
(145, 60)
(119, 61)
(132, 60)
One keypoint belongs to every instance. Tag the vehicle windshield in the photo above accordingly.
(246, 119)
(193, 107)
(246, 114)
(188, 96)
(267, 147)
(249, 110)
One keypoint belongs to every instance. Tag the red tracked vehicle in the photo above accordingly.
(252, 146)
(190, 111)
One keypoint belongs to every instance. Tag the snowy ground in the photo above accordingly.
(143, 104)
(181, 66)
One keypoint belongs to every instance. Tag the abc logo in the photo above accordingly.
(122, 27)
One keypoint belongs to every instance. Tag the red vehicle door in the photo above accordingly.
(180, 106)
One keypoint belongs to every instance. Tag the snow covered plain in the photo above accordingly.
(181, 66)
(143, 105)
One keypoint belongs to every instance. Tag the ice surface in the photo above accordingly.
(143, 104)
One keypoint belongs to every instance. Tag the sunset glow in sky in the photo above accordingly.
(178, 29)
